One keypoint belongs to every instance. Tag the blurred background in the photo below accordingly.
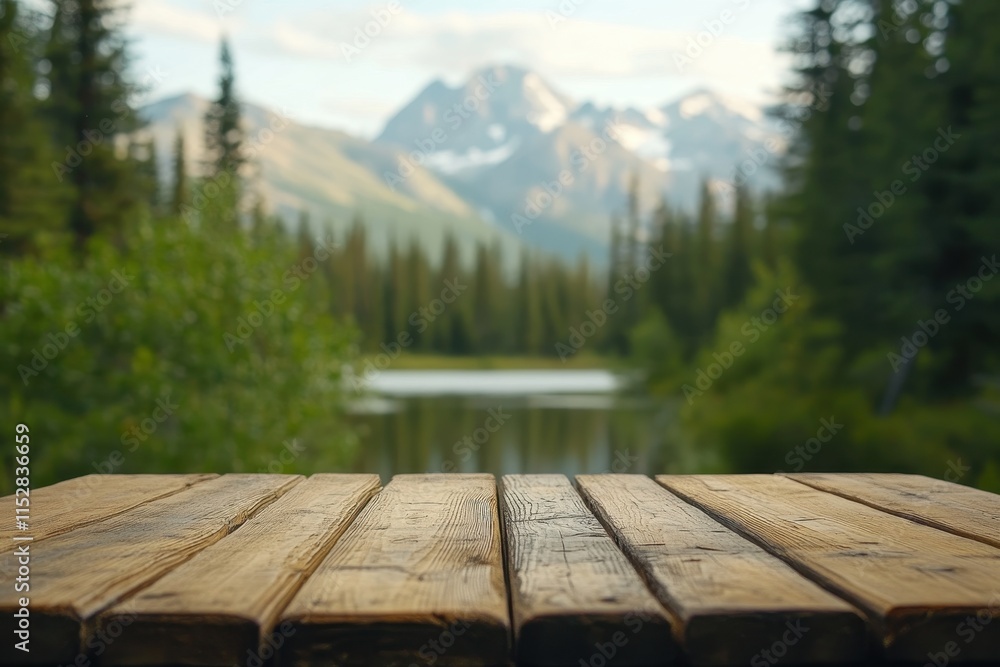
(571, 236)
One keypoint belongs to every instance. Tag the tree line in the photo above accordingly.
(887, 230)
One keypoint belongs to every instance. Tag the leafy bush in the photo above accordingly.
(764, 408)
(175, 350)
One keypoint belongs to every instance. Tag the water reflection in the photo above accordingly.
(500, 422)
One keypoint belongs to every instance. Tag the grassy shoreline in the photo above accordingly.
(411, 362)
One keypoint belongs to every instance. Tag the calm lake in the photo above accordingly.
(520, 421)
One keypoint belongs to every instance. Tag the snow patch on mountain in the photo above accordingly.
(549, 111)
(499, 146)
(450, 162)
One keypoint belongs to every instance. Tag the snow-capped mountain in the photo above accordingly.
(480, 123)
(329, 174)
(506, 132)
(505, 155)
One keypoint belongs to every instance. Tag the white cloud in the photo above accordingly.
(453, 43)
(163, 18)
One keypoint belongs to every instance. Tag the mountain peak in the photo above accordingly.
(704, 100)
(506, 71)
(481, 120)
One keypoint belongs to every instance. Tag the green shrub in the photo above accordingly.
(175, 350)
(765, 410)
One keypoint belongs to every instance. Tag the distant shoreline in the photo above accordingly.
(498, 362)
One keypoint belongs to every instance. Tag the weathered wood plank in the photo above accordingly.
(417, 578)
(732, 601)
(573, 593)
(74, 503)
(77, 574)
(221, 607)
(951, 507)
(926, 590)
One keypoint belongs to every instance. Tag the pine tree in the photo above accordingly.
(30, 199)
(737, 274)
(305, 238)
(960, 204)
(396, 294)
(179, 193)
(148, 175)
(418, 273)
(224, 138)
(662, 282)
(529, 308)
(87, 107)
(488, 301)
(260, 225)
(452, 330)
(769, 236)
(707, 279)
(683, 308)
(633, 251)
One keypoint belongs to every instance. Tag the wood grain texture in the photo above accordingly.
(572, 590)
(221, 607)
(731, 599)
(922, 587)
(951, 507)
(77, 574)
(417, 578)
(77, 502)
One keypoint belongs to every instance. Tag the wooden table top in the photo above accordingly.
(455, 569)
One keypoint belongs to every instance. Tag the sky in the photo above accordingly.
(351, 65)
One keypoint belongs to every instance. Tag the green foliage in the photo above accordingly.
(764, 412)
(653, 341)
(30, 195)
(179, 195)
(223, 130)
(888, 218)
(737, 276)
(87, 106)
(224, 327)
